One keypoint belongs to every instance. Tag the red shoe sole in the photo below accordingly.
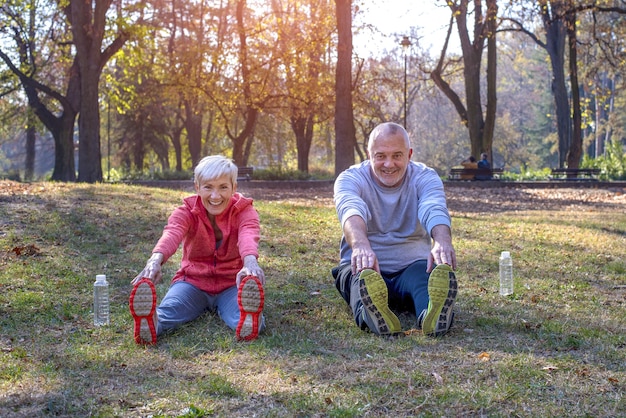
(143, 307)
(250, 298)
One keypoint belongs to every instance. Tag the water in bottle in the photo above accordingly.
(506, 274)
(101, 301)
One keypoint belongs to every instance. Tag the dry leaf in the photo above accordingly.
(529, 325)
(30, 249)
(583, 373)
(438, 377)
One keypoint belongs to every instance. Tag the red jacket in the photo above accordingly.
(211, 269)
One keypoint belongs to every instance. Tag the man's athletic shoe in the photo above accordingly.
(250, 298)
(442, 290)
(375, 298)
(143, 309)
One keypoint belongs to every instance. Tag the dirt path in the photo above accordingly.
(478, 200)
(460, 199)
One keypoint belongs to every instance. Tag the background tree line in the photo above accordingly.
(155, 85)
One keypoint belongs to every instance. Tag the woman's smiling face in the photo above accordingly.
(216, 194)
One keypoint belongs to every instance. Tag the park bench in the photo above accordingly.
(244, 173)
(460, 173)
(575, 174)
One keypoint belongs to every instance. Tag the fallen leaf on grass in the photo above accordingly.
(529, 325)
(484, 356)
(582, 373)
(437, 377)
(29, 249)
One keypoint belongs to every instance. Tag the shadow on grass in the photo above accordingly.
(555, 348)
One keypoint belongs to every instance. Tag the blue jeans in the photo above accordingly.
(408, 289)
(184, 302)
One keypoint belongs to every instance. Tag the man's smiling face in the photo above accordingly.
(390, 155)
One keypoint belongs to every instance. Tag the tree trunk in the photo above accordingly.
(240, 140)
(89, 155)
(303, 129)
(177, 148)
(480, 127)
(492, 99)
(251, 111)
(61, 127)
(345, 132)
(31, 138)
(88, 21)
(554, 26)
(576, 146)
(193, 125)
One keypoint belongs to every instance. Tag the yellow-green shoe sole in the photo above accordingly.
(442, 291)
(375, 299)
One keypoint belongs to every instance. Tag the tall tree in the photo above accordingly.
(345, 132)
(81, 69)
(602, 63)
(41, 60)
(575, 149)
(480, 126)
(304, 36)
(558, 18)
(88, 21)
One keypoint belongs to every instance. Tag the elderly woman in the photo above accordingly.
(219, 229)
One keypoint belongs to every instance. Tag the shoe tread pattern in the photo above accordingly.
(250, 298)
(442, 290)
(375, 298)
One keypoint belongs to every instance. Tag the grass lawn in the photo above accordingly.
(556, 347)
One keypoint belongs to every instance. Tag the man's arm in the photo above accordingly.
(442, 251)
(355, 231)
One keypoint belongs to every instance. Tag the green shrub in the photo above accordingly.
(173, 175)
(282, 174)
(527, 175)
(612, 165)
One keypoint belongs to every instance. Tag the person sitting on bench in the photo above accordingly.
(484, 164)
(471, 164)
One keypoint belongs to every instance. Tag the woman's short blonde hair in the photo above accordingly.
(213, 167)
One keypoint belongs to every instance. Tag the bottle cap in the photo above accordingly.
(101, 277)
(505, 254)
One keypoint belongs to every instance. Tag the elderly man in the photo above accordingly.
(396, 251)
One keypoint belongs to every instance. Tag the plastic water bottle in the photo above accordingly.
(506, 274)
(101, 301)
